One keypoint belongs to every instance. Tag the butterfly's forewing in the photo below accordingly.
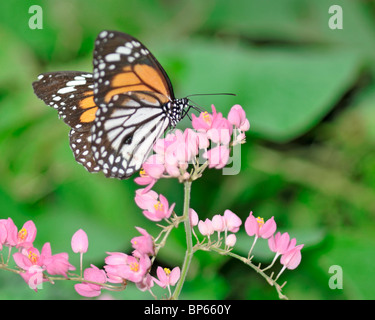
(130, 88)
(123, 64)
(71, 93)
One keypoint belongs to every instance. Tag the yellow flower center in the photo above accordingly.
(167, 271)
(260, 222)
(22, 234)
(33, 257)
(158, 206)
(207, 117)
(142, 173)
(134, 266)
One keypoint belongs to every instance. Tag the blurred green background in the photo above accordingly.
(308, 91)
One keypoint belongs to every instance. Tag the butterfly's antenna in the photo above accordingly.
(211, 94)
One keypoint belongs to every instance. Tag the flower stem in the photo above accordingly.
(252, 247)
(189, 241)
(269, 279)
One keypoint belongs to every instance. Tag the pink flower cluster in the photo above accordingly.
(121, 267)
(279, 243)
(228, 222)
(210, 140)
(32, 262)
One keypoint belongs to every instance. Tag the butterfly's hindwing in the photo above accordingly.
(80, 143)
(71, 93)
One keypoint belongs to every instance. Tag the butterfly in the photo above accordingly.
(117, 112)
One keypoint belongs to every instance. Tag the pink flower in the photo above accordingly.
(162, 145)
(33, 270)
(230, 241)
(218, 223)
(145, 180)
(53, 264)
(154, 167)
(146, 283)
(80, 242)
(221, 130)
(166, 277)
(116, 258)
(115, 262)
(217, 157)
(145, 199)
(281, 243)
(10, 236)
(3, 234)
(292, 258)
(87, 289)
(136, 268)
(232, 221)
(144, 243)
(259, 228)
(34, 263)
(57, 263)
(28, 258)
(237, 117)
(185, 146)
(159, 210)
(122, 267)
(195, 141)
(204, 121)
(193, 216)
(26, 235)
(205, 227)
(34, 277)
(11, 232)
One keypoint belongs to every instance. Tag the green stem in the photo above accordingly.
(189, 241)
(251, 265)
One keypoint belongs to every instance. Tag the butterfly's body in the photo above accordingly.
(117, 112)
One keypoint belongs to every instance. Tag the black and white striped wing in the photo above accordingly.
(125, 131)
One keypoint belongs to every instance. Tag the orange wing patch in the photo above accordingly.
(89, 115)
(151, 77)
(143, 78)
(125, 79)
(88, 103)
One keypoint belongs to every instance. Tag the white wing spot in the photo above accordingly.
(103, 34)
(66, 90)
(112, 57)
(123, 50)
